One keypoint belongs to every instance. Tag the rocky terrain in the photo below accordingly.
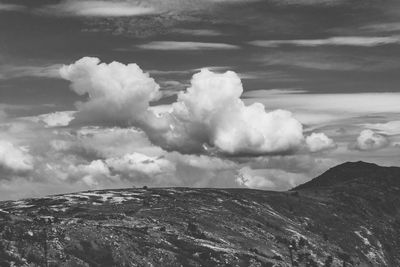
(349, 216)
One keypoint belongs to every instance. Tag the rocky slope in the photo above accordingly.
(349, 216)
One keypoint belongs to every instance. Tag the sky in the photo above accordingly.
(262, 94)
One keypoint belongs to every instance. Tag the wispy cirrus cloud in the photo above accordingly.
(198, 32)
(178, 45)
(13, 71)
(323, 108)
(382, 27)
(315, 60)
(387, 128)
(309, 2)
(328, 59)
(362, 41)
(97, 9)
(189, 71)
(366, 103)
(120, 8)
(10, 7)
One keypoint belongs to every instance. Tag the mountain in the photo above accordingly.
(348, 216)
(355, 173)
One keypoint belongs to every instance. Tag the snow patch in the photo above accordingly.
(374, 253)
(364, 239)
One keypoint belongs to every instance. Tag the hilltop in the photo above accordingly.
(348, 216)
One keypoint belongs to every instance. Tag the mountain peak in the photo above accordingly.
(360, 171)
(357, 164)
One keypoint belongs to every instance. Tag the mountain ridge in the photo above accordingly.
(351, 223)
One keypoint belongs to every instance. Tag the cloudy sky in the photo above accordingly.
(207, 93)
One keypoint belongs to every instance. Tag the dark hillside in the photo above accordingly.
(353, 172)
(349, 216)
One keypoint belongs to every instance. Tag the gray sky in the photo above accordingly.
(333, 64)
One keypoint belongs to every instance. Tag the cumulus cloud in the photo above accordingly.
(93, 157)
(212, 111)
(83, 158)
(270, 179)
(167, 169)
(101, 157)
(245, 178)
(56, 119)
(370, 140)
(172, 169)
(202, 170)
(93, 171)
(129, 159)
(319, 141)
(116, 92)
(209, 113)
(175, 45)
(14, 158)
(136, 162)
(96, 142)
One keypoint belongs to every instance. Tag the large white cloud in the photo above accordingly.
(319, 142)
(73, 158)
(117, 93)
(212, 105)
(210, 112)
(14, 158)
(370, 140)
